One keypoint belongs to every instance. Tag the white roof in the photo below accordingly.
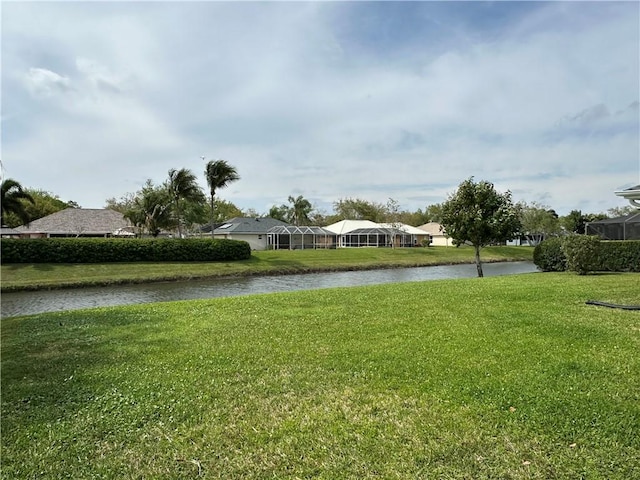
(346, 226)
(405, 228)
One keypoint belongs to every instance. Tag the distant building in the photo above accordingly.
(251, 230)
(78, 222)
(626, 227)
(365, 233)
(438, 237)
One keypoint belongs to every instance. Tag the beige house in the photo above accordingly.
(438, 238)
(78, 222)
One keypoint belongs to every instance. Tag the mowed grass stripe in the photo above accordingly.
(274, 262)
(503, 377)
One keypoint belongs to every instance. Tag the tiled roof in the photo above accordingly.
(432, 228)
(78, 221)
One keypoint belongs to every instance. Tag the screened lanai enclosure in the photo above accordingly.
(621, 228)
(377, 237)
(292, 237)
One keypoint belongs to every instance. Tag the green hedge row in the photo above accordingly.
(583, 254)
(106, 250)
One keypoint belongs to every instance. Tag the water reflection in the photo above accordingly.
(27, 303)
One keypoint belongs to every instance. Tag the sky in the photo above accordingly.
(328, 100)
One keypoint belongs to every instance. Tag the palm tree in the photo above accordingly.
(300, 209)
(219, 174)
(12, 201)
(182, 185)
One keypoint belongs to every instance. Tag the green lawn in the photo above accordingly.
(21, 276)
(504, 377)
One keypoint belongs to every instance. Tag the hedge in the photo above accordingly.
(106, 250)
(583, 254)
(549, 257)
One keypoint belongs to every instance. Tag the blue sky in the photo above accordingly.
(328, 100)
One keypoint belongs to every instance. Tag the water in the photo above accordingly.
(27, 303)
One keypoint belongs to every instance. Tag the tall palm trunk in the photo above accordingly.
(213, 217)
(179, 214)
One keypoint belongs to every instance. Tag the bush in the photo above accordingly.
(106, 250)
(582, 253)
(620, 256)
(549, 257)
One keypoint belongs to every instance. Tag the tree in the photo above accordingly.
(574, 222)
(358, 209)
(151, 209)
(479, 215)
(223, 210)
(219, 174)
(182, 186)
(538, 222)
(13, 201)
(621, 211)
(123, 203)
(299, 210)
(434, 213)
(393, 217)
(279, 212)
(44, 203)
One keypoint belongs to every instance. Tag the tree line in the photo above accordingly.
(179, 204)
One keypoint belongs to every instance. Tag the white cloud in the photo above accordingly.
(41, 82)
(121, 92)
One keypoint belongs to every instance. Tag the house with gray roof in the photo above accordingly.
(632, 194)
(78, 222)
(251, 230)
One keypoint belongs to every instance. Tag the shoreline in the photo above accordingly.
(248, 273)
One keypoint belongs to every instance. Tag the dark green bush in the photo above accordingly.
(582, 253)
(106, 250)
(619, 256)
(549, 257)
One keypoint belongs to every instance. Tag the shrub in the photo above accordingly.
(620, 256)
(582, 253)
(549, 257)
(106, 250)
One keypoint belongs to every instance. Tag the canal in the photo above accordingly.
(27, 303)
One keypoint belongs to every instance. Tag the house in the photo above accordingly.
(251, 230)
(365, 233)
(293, 237)
(8, 232)
(438, 237)
(626, 227)
(632, 194)
(78, 222)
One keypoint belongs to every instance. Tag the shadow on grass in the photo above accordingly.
(53, 365)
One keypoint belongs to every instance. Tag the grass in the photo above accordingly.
(39, 276)
(503, 377)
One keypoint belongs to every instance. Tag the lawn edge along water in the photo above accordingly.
(19, 277)
(502, 377)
